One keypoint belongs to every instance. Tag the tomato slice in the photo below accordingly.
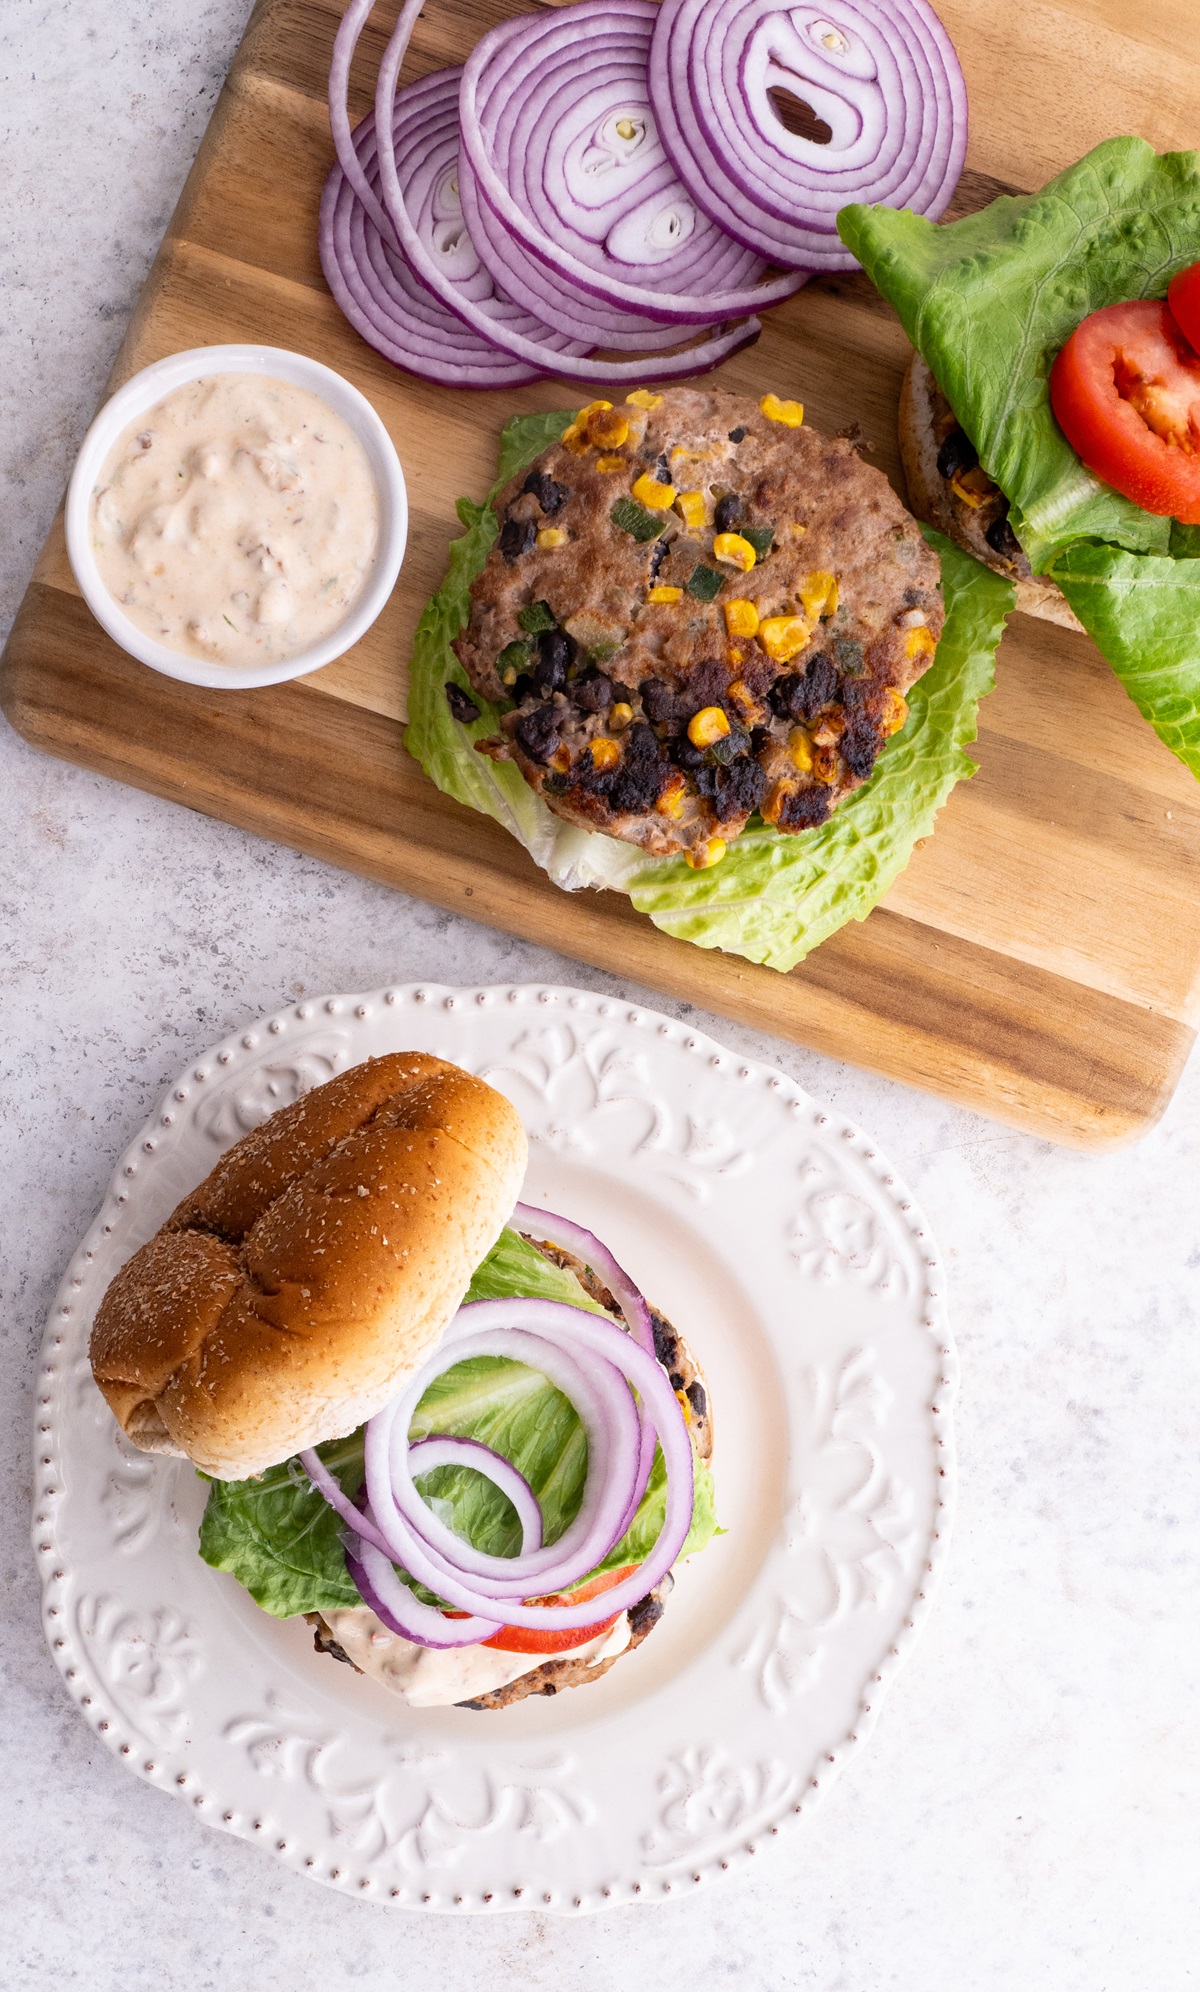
(1183, 297)
(1126, 391)
(525, 1639)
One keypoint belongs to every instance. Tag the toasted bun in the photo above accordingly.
(930, 497)
(289, 1296)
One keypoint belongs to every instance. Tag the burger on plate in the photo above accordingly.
(442, 1425)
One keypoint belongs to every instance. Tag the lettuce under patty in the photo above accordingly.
(773, 897)
(989, 301)
(283, 1542)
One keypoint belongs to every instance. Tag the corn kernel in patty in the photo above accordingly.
(895, 712)
(784, 637)
(654, 496)
(800, 750)
(608, 428)
(702, 856)
(708, 726)
(735, 551)
(551, 536)
(665, 595)
(819, 594)
(919, 643)
(642, 398)
(670, 802)
(741, 618)
(790, 413)
(605, 753)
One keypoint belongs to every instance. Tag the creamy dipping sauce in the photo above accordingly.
(238, 520)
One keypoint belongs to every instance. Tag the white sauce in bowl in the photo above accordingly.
(237, 521)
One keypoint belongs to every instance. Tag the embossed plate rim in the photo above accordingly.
(175, 1767)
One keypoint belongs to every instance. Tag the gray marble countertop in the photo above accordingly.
(1027, 1813)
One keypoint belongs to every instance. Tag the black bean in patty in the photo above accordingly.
(644, 1614)
(859, 745)
(517, 536)
(804, 808)
(554, 655)
(786, 696)
(595, 693)
(537, 733)
(550, 495)
(658, 700)
(739, 789)
(729, 513)
(461, 704)
(1002, 539)
(958, 453)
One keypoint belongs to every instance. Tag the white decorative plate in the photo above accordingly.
(782, 1243)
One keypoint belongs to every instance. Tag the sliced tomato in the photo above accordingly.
(1126, 391)
(1183, 297)
(525, 1639)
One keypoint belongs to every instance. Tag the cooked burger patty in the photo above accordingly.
(948, 487)
(696, 608)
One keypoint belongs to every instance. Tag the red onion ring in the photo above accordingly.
(392, 1602)
(572, 1237)
(558, 134)
(445, 1449)
(882, 74)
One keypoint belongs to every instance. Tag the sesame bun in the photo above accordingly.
(286, 1299)
(924, 415)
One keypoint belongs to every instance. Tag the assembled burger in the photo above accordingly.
(442, 1425)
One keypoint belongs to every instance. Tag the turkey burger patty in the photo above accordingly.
(697, 607)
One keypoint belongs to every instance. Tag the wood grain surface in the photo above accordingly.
(1040, 958)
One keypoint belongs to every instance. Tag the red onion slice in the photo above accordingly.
(392, 1602)
(881, 74)
(558, 133)
(449, 1450)
(572, 1237)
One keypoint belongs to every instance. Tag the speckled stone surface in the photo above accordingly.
(1026, 1815)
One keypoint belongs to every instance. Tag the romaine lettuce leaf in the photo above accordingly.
(281, 1540)
(773, 897)
(989, 301)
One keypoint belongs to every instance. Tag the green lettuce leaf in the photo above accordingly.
(282, 1541)
(989, 301)
(772, 898)
(443, 746)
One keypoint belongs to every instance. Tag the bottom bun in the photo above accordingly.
(427, 1678)
(926, 419)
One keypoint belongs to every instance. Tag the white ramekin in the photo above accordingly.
(141, 394)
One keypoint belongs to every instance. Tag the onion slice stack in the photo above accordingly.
(390, 197)
(566, 182)
(880, 75)
(626, 1405)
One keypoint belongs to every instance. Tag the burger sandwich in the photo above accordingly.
(1050, 419)
(442, 1425)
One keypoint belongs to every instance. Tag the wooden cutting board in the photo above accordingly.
(1040, 958)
